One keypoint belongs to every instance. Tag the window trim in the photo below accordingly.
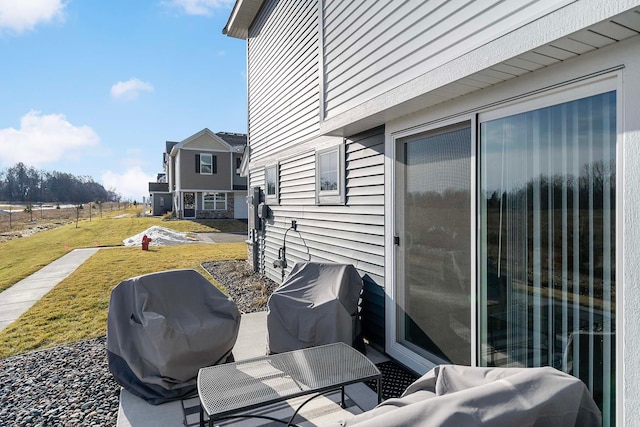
(216, 195)
(332, 197)
(272, 198)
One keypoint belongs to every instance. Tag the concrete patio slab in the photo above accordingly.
(251, 342)
(20, 297)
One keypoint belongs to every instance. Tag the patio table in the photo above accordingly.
(226, 391)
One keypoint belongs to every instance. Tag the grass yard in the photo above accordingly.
(24, 256)
(76, 309)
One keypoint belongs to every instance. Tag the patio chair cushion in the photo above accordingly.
(452, 395)
(163, 327)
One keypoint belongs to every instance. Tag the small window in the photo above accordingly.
(206, 164)
(215, 201)
(271, 183)
(238, 164)
(330, 176)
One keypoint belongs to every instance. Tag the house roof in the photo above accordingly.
(236, 140)
(158, 187)
(241, 18)
(169, 145)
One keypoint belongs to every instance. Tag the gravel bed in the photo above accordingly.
(68, 385)
(71, 385)
(247, 289)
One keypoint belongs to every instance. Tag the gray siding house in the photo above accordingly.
(477, 162)
(202, 176)
(160, 197)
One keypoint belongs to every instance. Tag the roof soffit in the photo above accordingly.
(241, 18)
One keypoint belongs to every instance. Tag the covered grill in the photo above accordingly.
(163, 327)
(317, 304)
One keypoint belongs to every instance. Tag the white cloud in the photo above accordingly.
(19, 16)
(199, 7)
(43, 139)
(132, 184)
(130, 89)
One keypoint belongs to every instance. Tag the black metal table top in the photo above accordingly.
(244, 385)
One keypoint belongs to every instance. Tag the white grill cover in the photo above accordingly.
(452, 395)
(163, 327)
(316, 305)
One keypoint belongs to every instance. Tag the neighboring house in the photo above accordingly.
(202, 176)
(161, 199)
(478, 162)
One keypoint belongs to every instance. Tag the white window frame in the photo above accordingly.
(331, 197)
(272, 198)
(203, 163)
(216, 201)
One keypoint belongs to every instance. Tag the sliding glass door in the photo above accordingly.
(547, 242)
(433, 212)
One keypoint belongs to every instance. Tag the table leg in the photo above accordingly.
(342, 397)
(201, 416)
(379, 388)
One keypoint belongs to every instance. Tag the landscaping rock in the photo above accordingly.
(249, 290)
(52, 387)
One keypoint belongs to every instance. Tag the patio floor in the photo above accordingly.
(135, 412)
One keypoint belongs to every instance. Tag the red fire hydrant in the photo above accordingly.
(145, 242)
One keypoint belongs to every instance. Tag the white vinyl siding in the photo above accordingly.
(373, 47)
(351, 234)
(284, 94)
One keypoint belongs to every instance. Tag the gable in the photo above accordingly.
(205, 142)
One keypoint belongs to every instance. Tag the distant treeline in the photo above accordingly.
(20, 183)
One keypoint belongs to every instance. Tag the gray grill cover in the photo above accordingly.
(163, 327)
(451, 395)
(316, 305)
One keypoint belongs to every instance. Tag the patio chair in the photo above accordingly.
(317, 304)
(163, 327)
(453, 395)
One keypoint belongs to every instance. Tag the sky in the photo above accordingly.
(94, 88)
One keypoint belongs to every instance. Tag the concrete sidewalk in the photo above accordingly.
(20, 297)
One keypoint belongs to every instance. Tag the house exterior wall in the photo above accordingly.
(352, 233)
(190, 180)
(239, 182)
(373, 47)
(162, 203)
(624, 59)
(201, 213)
(391, 90)
(449, 80)
(281, 115)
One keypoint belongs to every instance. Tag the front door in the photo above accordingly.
(433, 252)
(189, 205)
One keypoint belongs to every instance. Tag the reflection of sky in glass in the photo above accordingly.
(439, 163)
(328, 164)
(560, 137)
(271, 181)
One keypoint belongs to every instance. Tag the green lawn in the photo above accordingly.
(76, 309)
(22, 257)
